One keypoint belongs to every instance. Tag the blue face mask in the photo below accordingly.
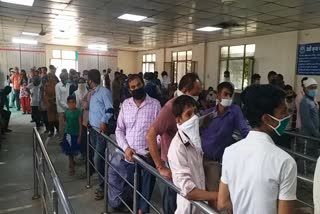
(312, 93)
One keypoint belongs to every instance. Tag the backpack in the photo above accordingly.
(117, 186)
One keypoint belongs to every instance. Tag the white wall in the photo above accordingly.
(276, 52)
(88, 59)
(127, 61)
(24, 57)
(273, 52)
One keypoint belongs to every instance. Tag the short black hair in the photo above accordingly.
(226, 73)
(280, 77)
(271, 73)
(45, 68)
(181, 103)
(132, 77)
(226, 85)
(255, 77)
(187, 81)
(94, 75)
(148, 76)
(51, 67)
(260, 100)
(288, 88)
(210, 88)
(164, 73)
(71, 98)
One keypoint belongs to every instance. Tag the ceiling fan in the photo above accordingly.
(42, 32)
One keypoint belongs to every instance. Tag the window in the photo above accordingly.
(238, 60)
(182, 64)
(64, 59)
(148, 63)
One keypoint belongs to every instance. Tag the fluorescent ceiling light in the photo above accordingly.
(132, 17)
(30, 34)
(21, 2)
(98, 47)
(209, 29)
(24, 41)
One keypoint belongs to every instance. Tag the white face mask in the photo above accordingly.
(82, 86)
(226, 102)
(191, 129)
(180, 93)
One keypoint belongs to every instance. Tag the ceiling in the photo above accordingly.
(169, 23)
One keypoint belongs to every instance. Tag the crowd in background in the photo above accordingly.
(183, 131)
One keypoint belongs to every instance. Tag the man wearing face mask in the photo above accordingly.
(218, 126)
(80, 92)
(62, 90)
(309, 112)
(136, 116)
(165, 126)
(185, 157)
(100, 103)
(257, 176)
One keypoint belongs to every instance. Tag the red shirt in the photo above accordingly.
(165, 125)
(15, 81)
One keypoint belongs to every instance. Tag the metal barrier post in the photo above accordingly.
(135, 188)
(191, 207)
(55, 202)
(305, 153)
(35, 168)
(42, 183)
(88, 160)
(106, 168)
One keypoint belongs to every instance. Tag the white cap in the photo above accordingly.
(309, 81)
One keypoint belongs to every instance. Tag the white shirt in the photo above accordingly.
(80, 95)
(316, 188)
(258, 174)
(35, 94)
(62, 93)
(103, 80)
(166, 82)
(186, 165)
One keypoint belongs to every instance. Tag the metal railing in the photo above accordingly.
(52, 195)
(297, 139)
(139, 162)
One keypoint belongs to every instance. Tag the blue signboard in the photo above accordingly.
(308, 59)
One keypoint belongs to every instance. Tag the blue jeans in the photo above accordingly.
(146, 185)
(169, 200)
(99, 143)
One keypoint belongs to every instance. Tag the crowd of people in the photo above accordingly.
(190, 135)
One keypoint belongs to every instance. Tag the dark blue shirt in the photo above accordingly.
(217, 135)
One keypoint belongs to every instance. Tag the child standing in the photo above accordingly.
(72, 137)
(24, 94)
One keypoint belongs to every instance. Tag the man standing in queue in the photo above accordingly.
(165, 126)
(217, 129)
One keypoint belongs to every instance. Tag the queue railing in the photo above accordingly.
(139, 162)
(299, 150)
(47, 185)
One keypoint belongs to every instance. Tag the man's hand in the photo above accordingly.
(103, 128)
(165, 172)
(129, 153)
